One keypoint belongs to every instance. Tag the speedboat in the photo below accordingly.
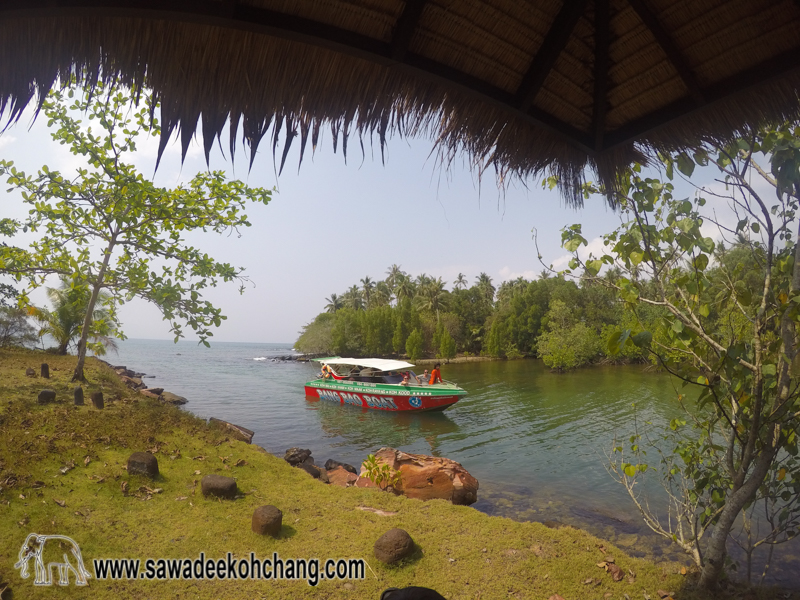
(380, 384)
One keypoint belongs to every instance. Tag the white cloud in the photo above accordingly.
(507, 274)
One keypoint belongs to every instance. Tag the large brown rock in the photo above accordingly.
(143, 463)
(427, 477)
(218, 485)
(173, 398)
(393, 545)
(341, 477)
(46, 396)
(267, 520)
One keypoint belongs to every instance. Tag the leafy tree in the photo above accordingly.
(64, 322)
(447, 346)
(741, 447)
(139, 226)
(317, 336)
(15, 330)
(567, 343)
(414, 345)
(8, 295)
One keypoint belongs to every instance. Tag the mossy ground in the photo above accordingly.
(460, 552)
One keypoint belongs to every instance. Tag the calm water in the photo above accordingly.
(536, 441)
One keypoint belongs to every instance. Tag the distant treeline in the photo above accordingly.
(566, 323)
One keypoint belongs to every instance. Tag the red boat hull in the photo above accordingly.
(376, 400)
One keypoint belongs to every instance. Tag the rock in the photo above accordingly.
(294, 456)
(132, 382)
(267, 520)
(150, 394)
(393, 545)
(426, 477)
(173, 398)
(331, 464)
(143, 463)
(46, 396)
(218, 485)
(97, 400)
(364, 482)
(45, 370)
(240, 433)
(323, 476)
(156, 391)
(77, 394)
(310, 469)
(30, 372)
(411, 593)
(341, 477)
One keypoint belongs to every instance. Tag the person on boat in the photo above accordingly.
(436, 374)
(425, 377)
(405, 379)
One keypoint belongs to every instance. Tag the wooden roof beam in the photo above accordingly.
(601, 42)
(404, 29)
(552, 46)
(775, 68)
(674, 55)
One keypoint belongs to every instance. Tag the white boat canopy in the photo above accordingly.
(379, 364)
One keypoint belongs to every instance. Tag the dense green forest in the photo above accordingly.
(566, 322)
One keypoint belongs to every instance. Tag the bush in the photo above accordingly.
(414, 345)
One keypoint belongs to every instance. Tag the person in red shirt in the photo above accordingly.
(436, 374)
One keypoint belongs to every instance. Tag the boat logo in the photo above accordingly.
(415, 402)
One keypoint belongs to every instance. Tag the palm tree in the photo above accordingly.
(484, 283)
(335, 302)
(367, 285)
(352, 298)
(460, 283)
(393, 274)
(65, 321)
(404, 288)
(381, 295)
(432, 296)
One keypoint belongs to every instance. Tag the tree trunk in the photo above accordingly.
(716, 551)
(87, 319)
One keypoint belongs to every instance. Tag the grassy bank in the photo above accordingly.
(460, 552)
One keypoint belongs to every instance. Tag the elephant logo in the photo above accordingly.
(34, 548)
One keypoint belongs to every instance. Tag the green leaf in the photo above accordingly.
(629, 470)
(643, 339)
(685, 164)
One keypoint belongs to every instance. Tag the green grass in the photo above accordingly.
(460, 552)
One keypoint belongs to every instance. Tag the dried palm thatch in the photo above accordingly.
(521, 87)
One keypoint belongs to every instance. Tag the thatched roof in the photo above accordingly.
(520, 86)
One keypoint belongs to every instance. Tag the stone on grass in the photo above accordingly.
(173, 398)
(143, 463)
(393, 545)
(267, 520)
(45, 370)
(218, 485)
(97, 400)
(77, 393)
(294, 456)
(412, 593)
(310, 469)
(149, 394)
(341, 477)
(30, 372)
(46, 396)
(331, 464)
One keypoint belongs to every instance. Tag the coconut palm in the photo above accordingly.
(335, 302)
(404, 288)
(484, 283)
(392, 275)
(381, 295)
(367, 285)
(65, 321)
(352, 298)
(460, 283)
(432, 296)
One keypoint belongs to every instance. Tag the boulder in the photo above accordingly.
(173, 398)
(310, 469)
(156, 391)
(331, 464)
(427, 477)
(30, 372)
(237, 431)
(97, 400)
(393, 545)
(267, 520)
(218, 485)
(132, 382)
(143, 463)
(294, 456)
(45, 370)
(46, 396)
(77, 394)
(149, 394)
(341, 477)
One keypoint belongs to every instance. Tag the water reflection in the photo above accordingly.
(365, 428)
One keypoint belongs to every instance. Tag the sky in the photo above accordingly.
(333, 222)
